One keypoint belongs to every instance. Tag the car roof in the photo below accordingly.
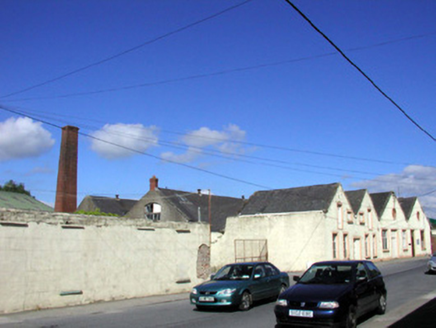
(342, 262)
(248, 263)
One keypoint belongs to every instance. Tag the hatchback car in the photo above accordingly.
(239, 285)
(431, 265)
(332, 294)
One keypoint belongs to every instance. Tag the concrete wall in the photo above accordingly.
(53, 260)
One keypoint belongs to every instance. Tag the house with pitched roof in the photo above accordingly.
(298, 226)
(163, 205)
(290, 227)
(416, 239)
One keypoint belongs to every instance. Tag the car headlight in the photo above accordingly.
(329, 305)
(282, 302)
(227, 291)
(194, 291)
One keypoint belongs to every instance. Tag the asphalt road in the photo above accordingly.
(411, 303)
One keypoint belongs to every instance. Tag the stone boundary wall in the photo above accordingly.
(52, 260)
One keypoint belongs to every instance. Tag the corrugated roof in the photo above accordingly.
(22, 202)
(301, 199)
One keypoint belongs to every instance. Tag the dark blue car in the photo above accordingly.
(332, 294)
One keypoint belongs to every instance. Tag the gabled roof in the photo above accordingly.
(190, 203)
(407, 205)
(22, 202)
(108, 205)
(355, 197)
(301, 199)
(380, 201)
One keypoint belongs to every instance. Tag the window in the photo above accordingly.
(349, 216)
(374, 246)
(404, 239)
(418, 216)
(370, 219)
(422, 240)
(340, 216)
(152, 211)
(361, 218)
(385, 240)
(346, 252)
(335, 245)
(394, 213)
(367, 247)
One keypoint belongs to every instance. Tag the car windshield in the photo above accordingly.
(234, 272)
(327, 274)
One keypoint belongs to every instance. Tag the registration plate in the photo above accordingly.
(206, 299)
(301, 313)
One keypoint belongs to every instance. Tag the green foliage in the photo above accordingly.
(12, 186)
(96, 212)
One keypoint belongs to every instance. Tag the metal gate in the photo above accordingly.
(251, 250)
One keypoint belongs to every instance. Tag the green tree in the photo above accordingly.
(12, 186)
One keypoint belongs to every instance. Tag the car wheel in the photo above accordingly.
(351, 321)
(382, 303)
(245, 301)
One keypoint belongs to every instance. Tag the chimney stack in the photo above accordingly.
(66, 191)
(154, 183)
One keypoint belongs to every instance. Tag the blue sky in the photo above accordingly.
(250, 99)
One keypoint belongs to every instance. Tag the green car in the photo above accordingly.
(239, 285)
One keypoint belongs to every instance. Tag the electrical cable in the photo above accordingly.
(360, 70)
(218, 73)
(163, 36)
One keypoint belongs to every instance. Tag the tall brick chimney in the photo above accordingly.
(154, 183)
(66, 191)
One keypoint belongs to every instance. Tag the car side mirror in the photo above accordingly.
(362, 279)
(296, 278)
(212, 276)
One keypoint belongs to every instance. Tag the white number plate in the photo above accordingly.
(206, 299)
(301, 313)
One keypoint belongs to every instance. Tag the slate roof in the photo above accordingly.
(110, 205)
(407, 205)
(355, 197)
(380, 200)
(22, 202)
(301, 199)
(188, 203)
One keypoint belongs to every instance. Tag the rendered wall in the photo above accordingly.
(293, 239)
(57, 259)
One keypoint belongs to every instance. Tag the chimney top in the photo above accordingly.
(154, 183)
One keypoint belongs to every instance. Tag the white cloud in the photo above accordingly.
(123, 140)
(227, 142)
(23, 138)
(414, 180)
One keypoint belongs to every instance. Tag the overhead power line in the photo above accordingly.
(140, 152)
(181, 29)
(218, 73)
(360, 70)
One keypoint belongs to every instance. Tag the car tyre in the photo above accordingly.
(382, 303)
(245, 301)
(351, 321)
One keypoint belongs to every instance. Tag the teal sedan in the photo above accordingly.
(239, 285)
